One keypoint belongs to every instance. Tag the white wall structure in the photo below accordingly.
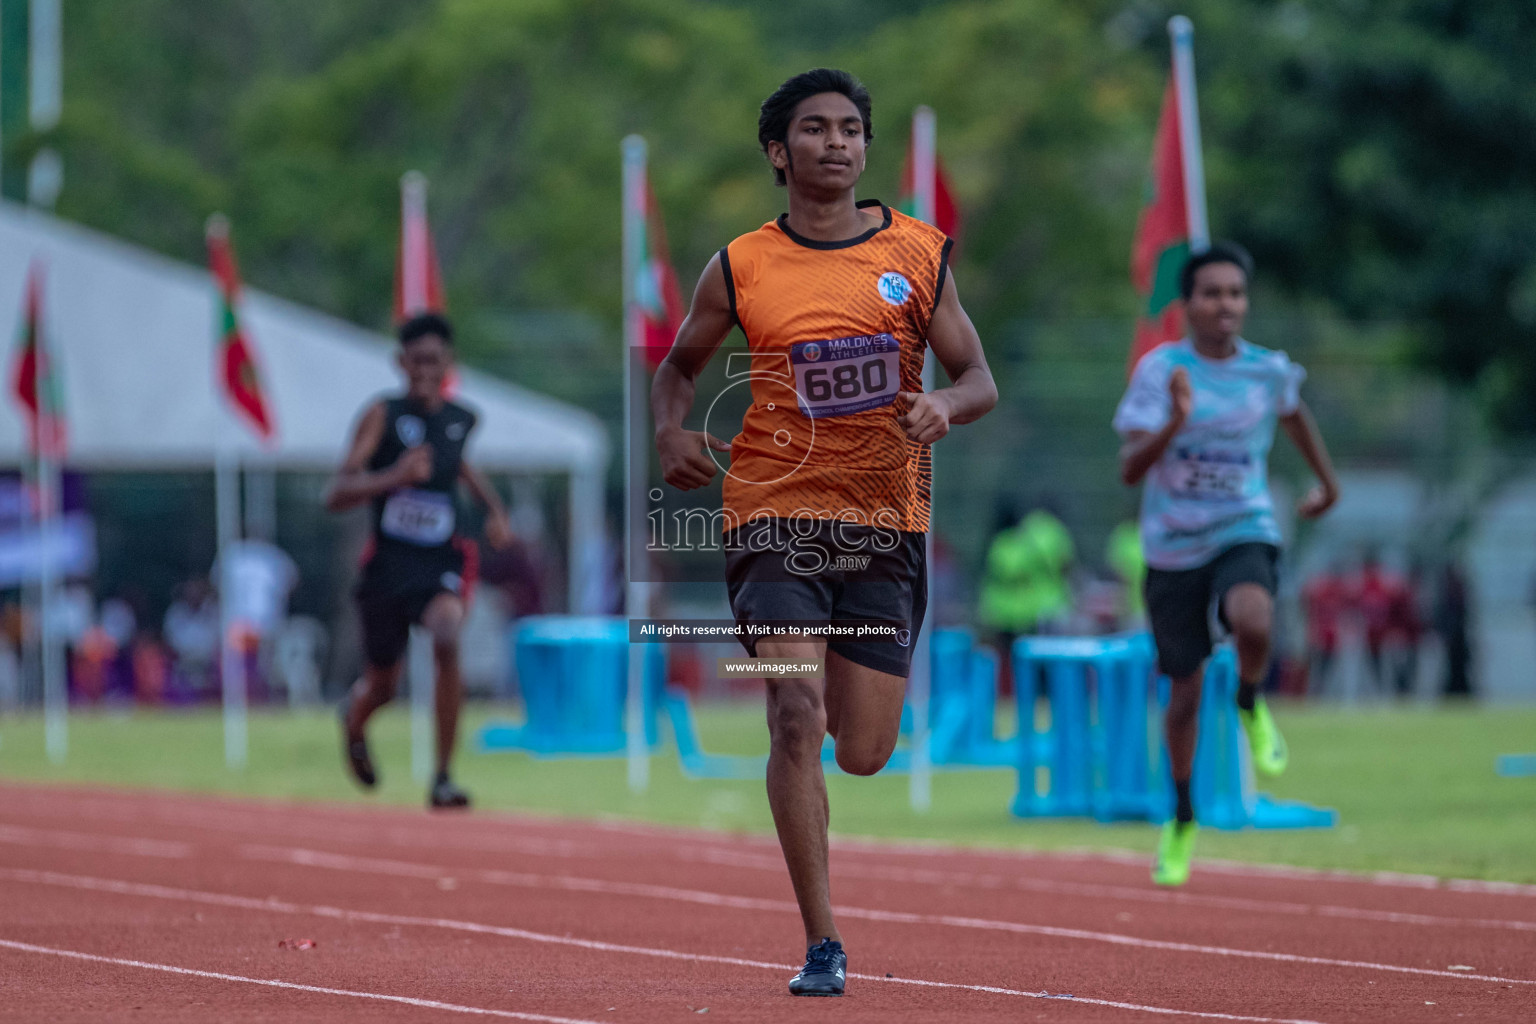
(1501, 566)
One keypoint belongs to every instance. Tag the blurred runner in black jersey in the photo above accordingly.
(406, 460)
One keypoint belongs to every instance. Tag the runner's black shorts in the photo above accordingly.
(863, 579)
(393, 594)
(1179, 602)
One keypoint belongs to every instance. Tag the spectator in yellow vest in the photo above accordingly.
(1025, 588)
(1124, 557)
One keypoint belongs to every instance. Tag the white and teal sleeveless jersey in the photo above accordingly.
(1210, 489)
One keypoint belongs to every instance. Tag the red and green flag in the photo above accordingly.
(656, 290)
(418, 278)
(1162, 238)
(236, 369)
(946, 212)
(35, 378)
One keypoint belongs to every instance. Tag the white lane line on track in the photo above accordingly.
(265, 818)
(568, 883)
(290, 821)
(275, 906)
(426, 1004)
(92, 843)
(1091, 890)
(394, 835)
(364, 822)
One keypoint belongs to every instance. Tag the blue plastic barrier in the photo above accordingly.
(963, 703)
(1223, 788)
(1095, 751)
(573, 673)
(1091, 752)
(1517, 766)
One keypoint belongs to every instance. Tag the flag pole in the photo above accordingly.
(55, 695)
(636, 564)
(421, 675)
(925, 206)
(226, 485)
(226, 493)
(413, 242)
(49, 492)
(1182, 32)
(45, 175)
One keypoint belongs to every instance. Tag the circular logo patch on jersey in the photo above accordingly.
(894, 288)
(811, 351)
(411, 430)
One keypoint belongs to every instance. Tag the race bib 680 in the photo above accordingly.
(843, 376)
(425, 518)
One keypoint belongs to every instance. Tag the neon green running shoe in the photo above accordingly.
(1174, 848)
(1270, 755)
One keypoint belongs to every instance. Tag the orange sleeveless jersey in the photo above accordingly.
(834, 331)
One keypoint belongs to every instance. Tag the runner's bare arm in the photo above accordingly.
(1143, 448)
(1301, 428)
(498, 528)
(972, 393)
(683, 462)
(354, 485)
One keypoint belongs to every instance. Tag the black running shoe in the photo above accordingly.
(445, 794)
(356, 747)
(826, 966)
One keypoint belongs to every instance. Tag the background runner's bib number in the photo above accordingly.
(418, 517)
(1210, 476)
(843, 376)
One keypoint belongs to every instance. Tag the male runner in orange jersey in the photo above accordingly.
(827, 494)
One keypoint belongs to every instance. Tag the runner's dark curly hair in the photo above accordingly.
(779, 109)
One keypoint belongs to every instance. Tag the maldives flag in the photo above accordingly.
(35, 380)
(236, 361)
(946, 212)
(418, 279)
(656, 292)
(1162, 238)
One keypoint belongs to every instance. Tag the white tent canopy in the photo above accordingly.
(133, 336)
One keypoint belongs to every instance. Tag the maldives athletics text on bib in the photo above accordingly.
(843, 376)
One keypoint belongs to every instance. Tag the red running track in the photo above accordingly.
(132, 906)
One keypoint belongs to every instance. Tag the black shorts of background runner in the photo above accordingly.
(394, 591)
(781, 570)
(1179, 602)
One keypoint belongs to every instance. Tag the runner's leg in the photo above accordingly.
(443, 618)
(1250, 611)
(373, 689)
(863, 714)
(797, 788)
(1181, 726)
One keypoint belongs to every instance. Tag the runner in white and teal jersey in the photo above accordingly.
(1198, 420)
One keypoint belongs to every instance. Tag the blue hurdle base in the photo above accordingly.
(501, 737)
(1517, 766)
(1271, 813)
(696, 762)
